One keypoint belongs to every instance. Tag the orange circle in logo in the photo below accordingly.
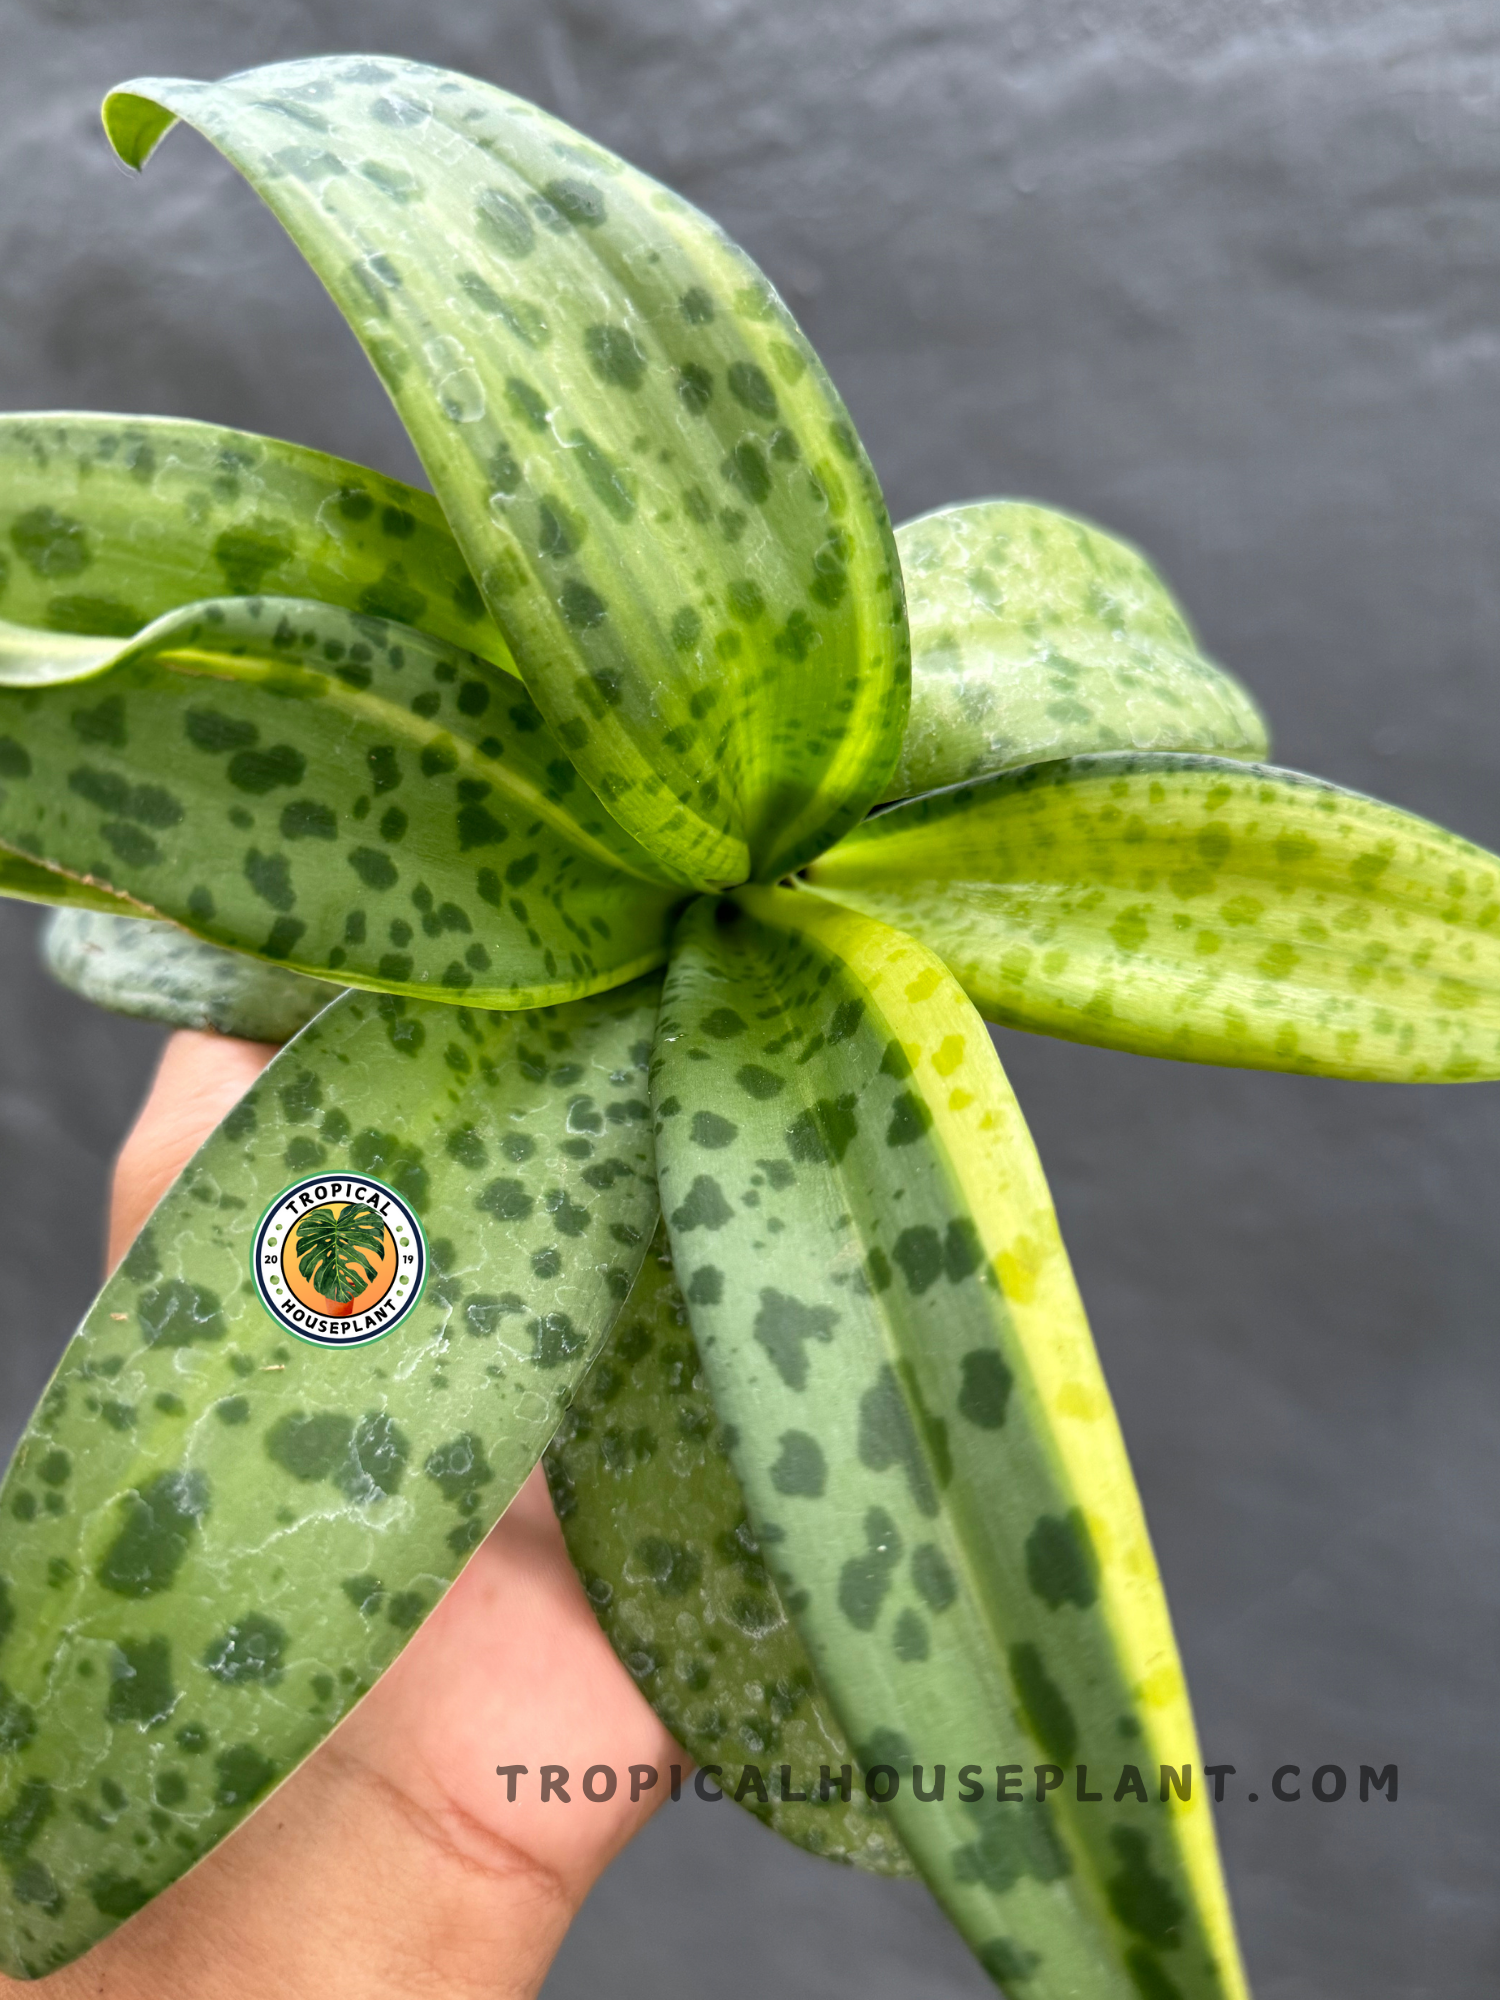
(385, 1263)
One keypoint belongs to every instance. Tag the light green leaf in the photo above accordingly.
(160, 973)
(656, 1525)
(215, 1537)
(925, 1441)
(649, 474)
(335, 792)
(1188, 907)
(108, 522)
(1035, 635)
(29, 882)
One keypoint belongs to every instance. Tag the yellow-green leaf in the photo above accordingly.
(107, 522)
(350, 798)
(1035, 635)
(649, 474)
(891, 1331)
(1191, 907)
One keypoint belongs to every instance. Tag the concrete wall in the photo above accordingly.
(1223, 275)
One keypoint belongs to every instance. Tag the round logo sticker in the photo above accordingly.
(337, 1261)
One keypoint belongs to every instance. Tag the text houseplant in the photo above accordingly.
(546, 805)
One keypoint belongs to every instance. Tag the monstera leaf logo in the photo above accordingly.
(331, 1251)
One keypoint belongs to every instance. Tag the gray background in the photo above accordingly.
(1225, 276)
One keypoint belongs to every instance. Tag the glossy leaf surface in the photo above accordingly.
(1189, 907)
(214, 1536)
(107, 522)
(649, 474)
(1035, 636)
(657, 1528)
(340, 794)
(160, 973)
(886, 1315)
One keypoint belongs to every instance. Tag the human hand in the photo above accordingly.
(391, 1861)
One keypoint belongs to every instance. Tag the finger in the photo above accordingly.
(511, 1670)
(199, 1080)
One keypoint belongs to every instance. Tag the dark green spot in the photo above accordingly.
(366, 1593)
(784, 1325)
(104, 724)
(985, 1389)
(864, 1580)
(582, 607)
(801, 1468)
(706, 1287)
(1061, 1565)
(459, 1468)
(1007, 1962)
(1144, 1901)
(244, 1773)
(504, 223)
(246, 558)
(310, 1447)
(1044, 1707)
(712, 1132)
(759, 1083)
(55, 1468)
(910, 1118)
(910, 1640)
(251, 1650)
(375, 869)
(117, 1896)
(746, 470)
(703, 1207)
(506, 1200)
(140, 1682)
(17, 1721)
(308, 819)
(208, 730)
(555, 1339)
(579, 201)
(51, 544)
(751, 386)
(932, 1576)
(671, 1567)
(156, 1527)
(258, 771)
(178, 1313)
(888, 1435)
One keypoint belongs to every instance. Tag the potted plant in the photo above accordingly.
(633, 842)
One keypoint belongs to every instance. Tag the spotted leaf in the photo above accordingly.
(108, 522)
(647, 470)
(335, 792)
(216, 1536)
(969, 1567)
(657, 1528)
(159, 973)
(1034, 636)
(1191, 907)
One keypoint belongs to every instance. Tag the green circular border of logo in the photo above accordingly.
(331, 1180)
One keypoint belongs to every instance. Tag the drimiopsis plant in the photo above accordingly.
(540, 816)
